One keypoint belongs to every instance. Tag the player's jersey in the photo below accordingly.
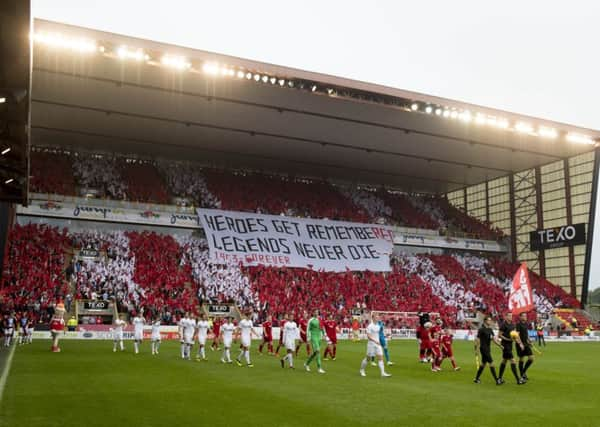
(156, 330)
(245, 328)
(523, 332)
(382, 339)
(189, 327)
(314, 329)
(434, 329)
(203, 328)
(267, 330)
(447, 343)
(118, 327)
(23, 322)
(505, 331)
(227, 331)
(217, 327)
(435, 345)
(330, 329)
(423, 334)
(302, 325)
(138, 325)
(373, 331)
(10, 323)
(281, 326)
(485, 336)
(290, 331)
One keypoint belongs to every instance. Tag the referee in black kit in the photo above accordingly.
(483, 342)
(506, 334)
(525, 351)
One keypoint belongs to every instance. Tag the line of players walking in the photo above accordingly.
(310, 333)
(23, 333)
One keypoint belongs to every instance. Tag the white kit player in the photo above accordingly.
(117, 332)
(374, 347)
(203, 327)
(9, 329)
(290, 333)
(189, 330)
(226, 337)
(138, 331)
(155, 336)
(246, 331)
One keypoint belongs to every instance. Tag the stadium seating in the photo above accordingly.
(277, 195)
(52, 173)
(187, 181)
(33, 278)
(144, 183)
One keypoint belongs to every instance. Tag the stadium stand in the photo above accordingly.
(52, 173)
(33, 277)
(144, 183)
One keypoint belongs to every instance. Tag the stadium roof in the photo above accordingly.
(116, 93)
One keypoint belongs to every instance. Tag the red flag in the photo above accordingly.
(521, 298)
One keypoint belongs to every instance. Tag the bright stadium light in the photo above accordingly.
(438, 111)
(240, 74)
(578, 138)
(257, 77)
(454, 115)
(178, 62)
(546, 132)
(313, 88)
(211, 68)
(6, 151)
(290, 83)
(502, 123)
(523, 127)
(414, 106)
(281, 82)
(465, 116)
(8, 181)
(248, 76)
(428, 109)
(61, 41)
(2, 100)
(265, 79)
(446, 113)
(273, 80)
(138, 54)
(480, 119)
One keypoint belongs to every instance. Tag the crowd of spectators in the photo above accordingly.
(186, 181)
(101, 173)
(33, 275)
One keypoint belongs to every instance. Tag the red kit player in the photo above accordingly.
(331, 336)
(267, 336)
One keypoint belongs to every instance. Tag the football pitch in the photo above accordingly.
(89, 385)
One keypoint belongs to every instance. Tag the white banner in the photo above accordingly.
(279, 241)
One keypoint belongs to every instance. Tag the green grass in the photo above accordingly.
(88, 385)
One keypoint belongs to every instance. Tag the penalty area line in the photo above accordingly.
(6, 370)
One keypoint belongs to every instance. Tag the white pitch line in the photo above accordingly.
(6, 370)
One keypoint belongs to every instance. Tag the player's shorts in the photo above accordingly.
(290, 345)
(486, 357)
(507, 353)
(201, 339)
(315, 345)
(425, 345)
(447, 353)
(303, 337)
(268, 338)
(525, 352)
(8, 331)
(246, 342)
(118, 336)
(331, 340)
(155, 337)
(374, 349)
(138, 336)
(188, 339)
(29, 331)
(227, 342)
